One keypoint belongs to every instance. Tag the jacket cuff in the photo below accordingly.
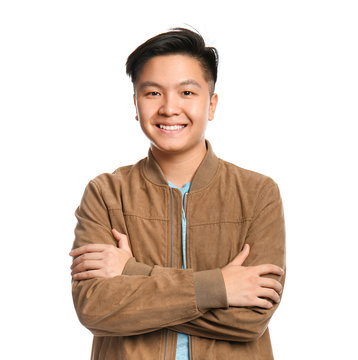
(136, 268)
(210, 290)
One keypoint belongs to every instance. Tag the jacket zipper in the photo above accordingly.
(171, 255)
(186, 257)
(171, 226)
(186, 247)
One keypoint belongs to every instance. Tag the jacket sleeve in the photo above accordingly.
(129, 305)
(266, 237)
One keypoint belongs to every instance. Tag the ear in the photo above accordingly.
(135, 105)
(212, 107)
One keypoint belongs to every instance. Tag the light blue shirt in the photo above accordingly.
(182, 352)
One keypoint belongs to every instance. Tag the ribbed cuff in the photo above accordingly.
(136, 268)
(210, 290)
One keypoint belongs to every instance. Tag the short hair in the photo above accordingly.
(176, 41)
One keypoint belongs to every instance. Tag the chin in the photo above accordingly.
(169, 148)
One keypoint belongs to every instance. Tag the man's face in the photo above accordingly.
(173, 103)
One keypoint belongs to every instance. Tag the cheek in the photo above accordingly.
(198, 111)
(146, 109)
(145, 127)
(143, 111)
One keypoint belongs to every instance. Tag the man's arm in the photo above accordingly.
(129, 305)
(251, 288)
(266, 238)
(244, 286)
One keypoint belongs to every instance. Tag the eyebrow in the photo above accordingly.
(154, 84)
(148, 84)
(190, 82)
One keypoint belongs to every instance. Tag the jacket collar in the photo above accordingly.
(202, 176)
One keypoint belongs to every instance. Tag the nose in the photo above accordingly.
(170, 106)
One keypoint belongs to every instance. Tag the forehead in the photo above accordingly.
(172, 69)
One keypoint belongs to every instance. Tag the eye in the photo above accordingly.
(187, 93)
(153, 93)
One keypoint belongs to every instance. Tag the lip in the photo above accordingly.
(170, 124)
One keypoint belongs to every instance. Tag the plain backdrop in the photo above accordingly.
(287, 108)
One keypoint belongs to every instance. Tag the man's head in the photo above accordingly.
(173, 75)
(177, 41)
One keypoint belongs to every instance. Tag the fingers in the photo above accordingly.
(269, 294)
(89, 248)
(241, 257)
(122, 239)
(269, 269)
(100, 260)
(270, 283)
(265, 298)
(86, 257)
(116, 234)
(91, 274)
(263, 303)
(86, 265)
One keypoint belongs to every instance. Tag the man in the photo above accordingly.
(181, 255)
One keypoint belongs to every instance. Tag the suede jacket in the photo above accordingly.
(137, 315)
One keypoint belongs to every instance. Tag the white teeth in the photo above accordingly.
(171, 127)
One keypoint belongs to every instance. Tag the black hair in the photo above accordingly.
(176, 41)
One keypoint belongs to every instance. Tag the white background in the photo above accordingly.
(288, 90)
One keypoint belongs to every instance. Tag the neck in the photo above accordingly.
(179, 168)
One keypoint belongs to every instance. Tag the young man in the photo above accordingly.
(181, 255)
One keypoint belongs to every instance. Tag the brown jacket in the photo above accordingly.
(137, 315)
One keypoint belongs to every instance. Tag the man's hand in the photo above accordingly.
(101, 260)
(245, 286)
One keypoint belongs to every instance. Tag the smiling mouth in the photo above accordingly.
(170, 127)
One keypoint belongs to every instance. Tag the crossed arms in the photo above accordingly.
(110, 303)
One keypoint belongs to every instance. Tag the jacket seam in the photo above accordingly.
(222, 222)
(146, 218)
(115, 209)
(260, 197)
(98, 187)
